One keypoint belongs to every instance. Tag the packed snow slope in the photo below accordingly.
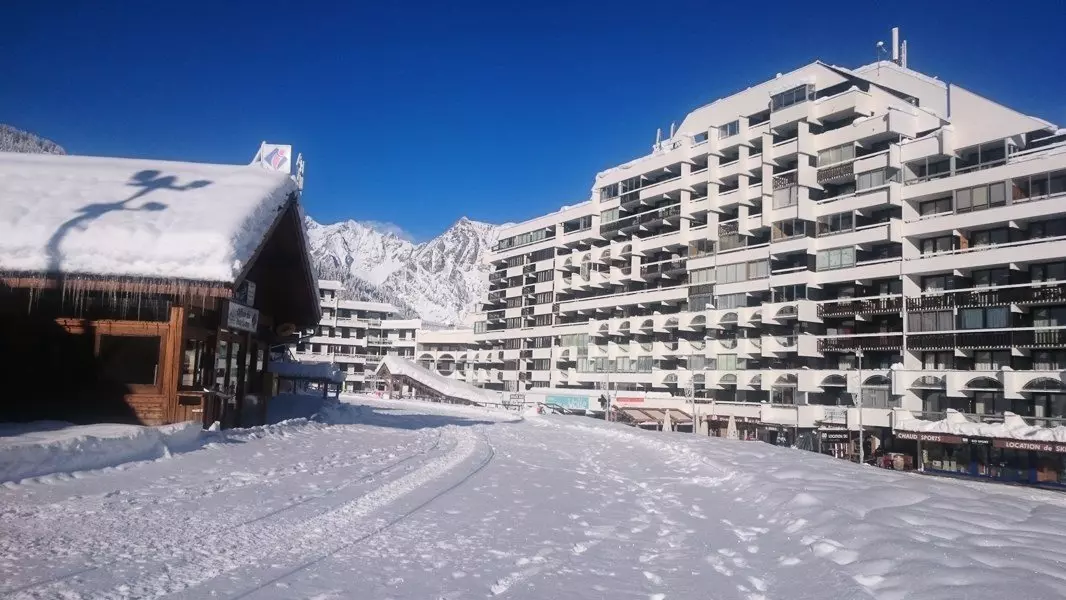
(440, 280)
(409, 500)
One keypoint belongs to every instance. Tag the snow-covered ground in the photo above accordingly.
(411, 500)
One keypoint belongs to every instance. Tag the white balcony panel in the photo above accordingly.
(791, 114)
(789, 246)
(853, 101)
(987, 256)
(871, 234)
(862, 272)
(941, 143)
(890, 194)
(731, 257)
(796, 277)
(1020, 212)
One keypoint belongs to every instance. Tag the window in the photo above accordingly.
(984, 318)
(699, 248)
(935, 207)
(936, 245)
(540, 342)
(796, 95)
(940, 320)
(788, 293)
(729, 130)
(1055, 271)
(758, 269)
(1047, 229)
(1050, 316)
(514, 323)
(609, 191)
(697, 276)
(609, 215)
(130, 359)
(512, 344)
(729, 362)
(837, 258)
(990, 237)
(991, 360)
(792, 228)
(699, 302)
(872, 179)
(514, 302)
(991, 277)
(516, 261)
(938, 361)
(1049, 360)
(980, 197)
(729, 241)
(541, 364)
(732, 301)
(837, 223)
(544, 298)
(539, 255)
(936, 283)
(543, 276)
(786, 196)
(836, 154)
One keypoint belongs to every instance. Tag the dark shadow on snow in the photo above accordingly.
(148, 181)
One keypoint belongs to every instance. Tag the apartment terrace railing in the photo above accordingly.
(857, 306)
(836, 172)
(664, 266)
(1028, 337)
(787, 341)
(864, 341)
(657, 214)
(494, 315)
(1016, 157)
(379, 341)
(785, 179)
(991, 296)
(497, 276)
(1029, 242)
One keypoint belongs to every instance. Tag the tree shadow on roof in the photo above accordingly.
(148, 181)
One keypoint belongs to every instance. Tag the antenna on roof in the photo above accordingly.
(903, 55)
(895, 45)
(658, 136)
(673, 129)
(878, 53)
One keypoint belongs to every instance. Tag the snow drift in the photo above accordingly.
(44, 448)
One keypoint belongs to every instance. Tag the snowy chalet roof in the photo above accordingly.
(81, 215)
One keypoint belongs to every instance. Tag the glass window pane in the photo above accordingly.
(997, 194)
(129, 359)
(962, 200)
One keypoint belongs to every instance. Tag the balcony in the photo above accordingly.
(1022, 252)
(664, 268)
(860, 306)
(851, 343)
(1013, 338)
(837, 173)
(989, 297)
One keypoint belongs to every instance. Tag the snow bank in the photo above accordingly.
(44, 448)
(1013, 427)
(452, 388)
(134, 218)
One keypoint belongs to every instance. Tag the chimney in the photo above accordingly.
(895, 45)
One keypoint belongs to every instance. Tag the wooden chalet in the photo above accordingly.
(146, 292)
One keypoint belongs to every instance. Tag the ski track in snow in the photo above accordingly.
(430, 501)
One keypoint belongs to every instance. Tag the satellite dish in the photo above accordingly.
(286, 329)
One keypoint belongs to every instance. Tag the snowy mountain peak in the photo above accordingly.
(439, 280)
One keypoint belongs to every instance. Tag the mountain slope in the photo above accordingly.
(440, 280)
(17, 140)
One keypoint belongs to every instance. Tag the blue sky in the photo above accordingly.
(419, 113)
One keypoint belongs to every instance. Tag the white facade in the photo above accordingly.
(785, 227)
(355, 335)
(449, 352)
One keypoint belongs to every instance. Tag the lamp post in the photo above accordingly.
(690, 391)
(858, 404)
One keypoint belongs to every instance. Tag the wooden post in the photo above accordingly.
(242, 374)
(174, 359)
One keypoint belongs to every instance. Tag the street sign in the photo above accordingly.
(242, 318)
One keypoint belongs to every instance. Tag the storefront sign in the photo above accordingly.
(629, 400)
(840, 435)
(242, 318)
(572, 402)
(774, 427)
(1028, 445)
(936, 438)
(977, 441)
(518, 396)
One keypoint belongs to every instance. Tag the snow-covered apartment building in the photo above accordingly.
(355, 335)
(779, 231)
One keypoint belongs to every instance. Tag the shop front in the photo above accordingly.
(1005, 460)
(743, 428)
